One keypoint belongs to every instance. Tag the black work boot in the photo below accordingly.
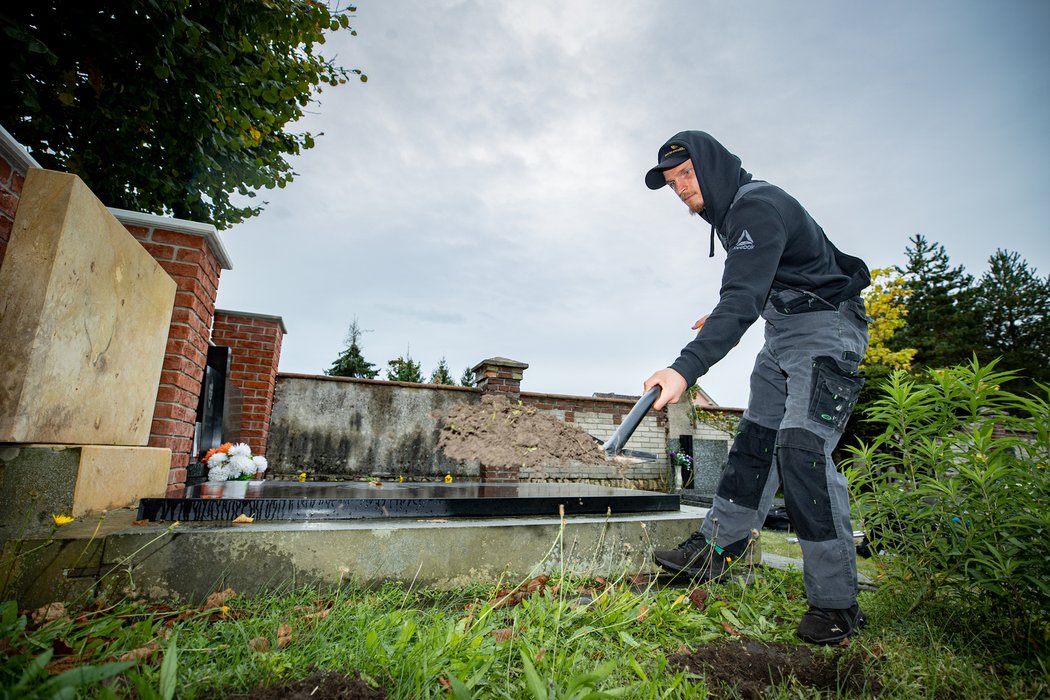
(830, 625)
(696, 558)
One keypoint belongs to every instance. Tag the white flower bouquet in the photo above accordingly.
(230, 462)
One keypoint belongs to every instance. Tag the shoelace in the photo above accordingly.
(695, 541)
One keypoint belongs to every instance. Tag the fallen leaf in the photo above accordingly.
(140, 522)
(243, 519)
(375, 483)
(218, 599)
(536, 584)
(284, 635)
(48, 613)
(698, 597)
(259, 644)
(643, 613)
(64, 664)
(503, 634)
(729, 629)
(446, 684)
(61, 647)
(317, 615)
(844, 642)
(142, 652)
(682, 649)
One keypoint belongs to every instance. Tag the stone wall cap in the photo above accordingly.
(501, 362)
(167, 223)
(246, 314)
(15, 152)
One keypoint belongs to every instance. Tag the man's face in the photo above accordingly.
(682, 179)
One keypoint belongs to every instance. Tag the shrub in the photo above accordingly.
(955, 489)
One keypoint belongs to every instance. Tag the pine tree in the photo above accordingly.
(441, 375)
(404, 369)
(467, 378)
(351, 363)
(942, 325)
(1014, 304)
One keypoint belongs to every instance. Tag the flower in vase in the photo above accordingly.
(233, 462)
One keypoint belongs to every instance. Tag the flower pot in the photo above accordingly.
(235, 489)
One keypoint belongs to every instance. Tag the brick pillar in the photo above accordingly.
(255, 348)
(194, 257)
(498, 375)
(15, 163)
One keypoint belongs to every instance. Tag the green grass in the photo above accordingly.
(608, 639)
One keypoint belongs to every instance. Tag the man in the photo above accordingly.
(779, 266)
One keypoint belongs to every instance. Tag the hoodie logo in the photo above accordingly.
(744, 242)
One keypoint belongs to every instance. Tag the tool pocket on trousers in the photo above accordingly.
(835, 392)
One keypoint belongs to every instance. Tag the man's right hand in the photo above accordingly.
(672, 386)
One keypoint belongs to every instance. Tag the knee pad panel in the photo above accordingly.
(804, 473)
(748, 465)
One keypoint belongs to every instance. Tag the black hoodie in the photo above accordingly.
(772, 244)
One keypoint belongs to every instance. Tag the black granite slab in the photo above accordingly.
(291, 500)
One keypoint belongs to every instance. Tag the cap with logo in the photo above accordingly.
(670, 155)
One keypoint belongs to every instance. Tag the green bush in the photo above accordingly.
(955, 491)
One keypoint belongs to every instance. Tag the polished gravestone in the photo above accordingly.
(291, 500)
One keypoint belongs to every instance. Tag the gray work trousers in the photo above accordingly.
(803, 389)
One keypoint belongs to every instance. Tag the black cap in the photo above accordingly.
(670, 155)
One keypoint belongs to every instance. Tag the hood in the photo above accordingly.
(717, 171)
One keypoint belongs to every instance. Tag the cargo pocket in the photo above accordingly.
(834, 394)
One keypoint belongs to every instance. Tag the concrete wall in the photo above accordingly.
(336, 428)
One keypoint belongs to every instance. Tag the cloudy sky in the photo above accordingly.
(481, 195)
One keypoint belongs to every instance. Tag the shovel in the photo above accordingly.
(614, 445)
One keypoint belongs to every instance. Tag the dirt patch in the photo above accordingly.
(320, 685)
(746, 668)
(498, 433)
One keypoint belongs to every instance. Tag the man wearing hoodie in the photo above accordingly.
(780, 266)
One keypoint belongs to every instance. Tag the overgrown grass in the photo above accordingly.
(578, 638)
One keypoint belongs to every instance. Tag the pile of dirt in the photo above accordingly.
(498, 433)
(746, 668)
(320, 685)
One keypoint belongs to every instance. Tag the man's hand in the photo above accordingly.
(672, 386)
(700, 323)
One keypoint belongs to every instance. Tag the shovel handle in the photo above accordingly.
(614, 444)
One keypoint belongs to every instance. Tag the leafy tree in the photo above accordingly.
(404, 369)
(167, 107)
(942, 324)
(441, 375)
(1014, 306)
(351, 363)
(886, 301)
(467, 378)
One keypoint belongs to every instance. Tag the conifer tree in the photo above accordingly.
(467, 378)
(1014, 305)
(441, 375)
(404, 369)
(943, 326)
(351, 363)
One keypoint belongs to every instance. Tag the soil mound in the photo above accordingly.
(498, 433)
(320, 685)
(746, 668)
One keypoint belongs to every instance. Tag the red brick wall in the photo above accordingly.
(190, 261)
(11, 179)
(255, 350)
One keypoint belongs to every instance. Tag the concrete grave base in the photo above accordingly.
(74, 480)
(189, 561)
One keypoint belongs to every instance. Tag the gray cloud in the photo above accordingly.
(482, 194)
